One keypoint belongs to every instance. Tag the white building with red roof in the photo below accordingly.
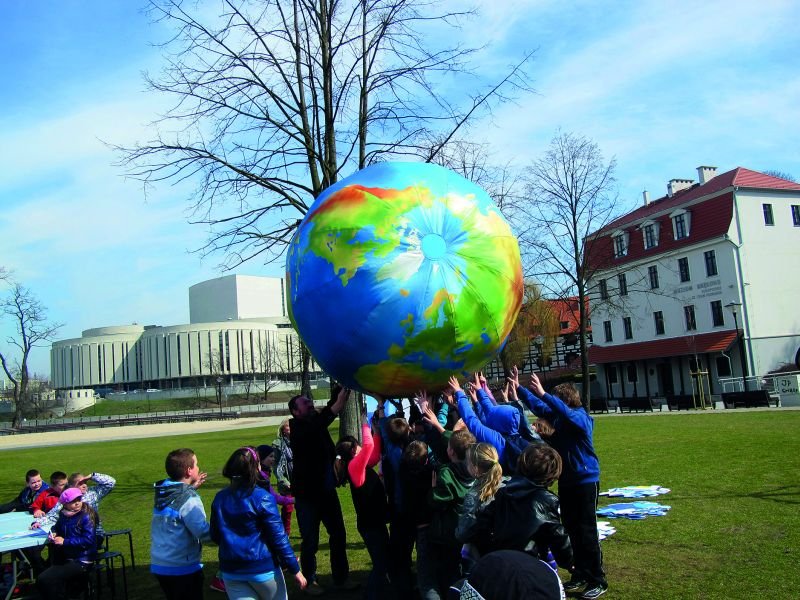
(698, 287)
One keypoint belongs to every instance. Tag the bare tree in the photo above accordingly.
(780, 175)
(571, 190)
(275, 99)
(32, 329)
(268, 363)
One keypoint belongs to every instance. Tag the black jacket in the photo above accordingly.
(313, 453)
(523, 516)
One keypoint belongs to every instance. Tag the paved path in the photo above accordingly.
(97, 434)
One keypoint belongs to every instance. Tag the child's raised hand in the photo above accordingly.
(201, 479)
(453, 382)
(536, 385)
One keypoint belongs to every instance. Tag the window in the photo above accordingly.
(564, 324)
(612, 374)
(626, 325)
(603, 289)
(633, 376)
(653, 273)
(620, 245)
(650, 236)
(607, 330)
(711, 263)
(768, 220)
(723, 366)
(658, 319)
(679, 222)
(623, 284)
(683, 269)
(691, 322)
(796, 215)
(716, 313)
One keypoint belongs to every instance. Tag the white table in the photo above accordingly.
(15, 535)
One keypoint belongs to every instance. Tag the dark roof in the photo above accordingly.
(716, 341)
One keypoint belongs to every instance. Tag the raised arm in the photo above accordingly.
(357, 467)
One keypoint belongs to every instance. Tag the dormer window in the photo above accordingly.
(649, 234)
(620, 244)
(681, 222)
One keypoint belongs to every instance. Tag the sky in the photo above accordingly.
(661, 86)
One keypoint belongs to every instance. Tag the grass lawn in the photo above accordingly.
(733, 531)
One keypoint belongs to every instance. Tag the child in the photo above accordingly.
(524, 514)
(579, 483)
(266, 456)
(47, 499)
(178, 528)
(33, 487)
(450, 484)
(246, 525)
(74, 545)
(416, 473)
(283, 473)
(484, 465)
(356, 464)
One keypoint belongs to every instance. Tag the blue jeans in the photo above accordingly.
(323, 508)
(377, 542)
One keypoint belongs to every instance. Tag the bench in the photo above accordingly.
(636, 403)
(749, 399)
(681, 402)
(598, 405)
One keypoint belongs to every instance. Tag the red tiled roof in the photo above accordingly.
(709, 219)
(739, 176)
(716, 341)
(568, 311)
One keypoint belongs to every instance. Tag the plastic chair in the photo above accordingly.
(107, 560)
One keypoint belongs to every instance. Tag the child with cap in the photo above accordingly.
(74, 547)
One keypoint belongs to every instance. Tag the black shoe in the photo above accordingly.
(594, 592)
(574, 585)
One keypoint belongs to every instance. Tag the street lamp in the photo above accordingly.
(219, 395)
(734, 308)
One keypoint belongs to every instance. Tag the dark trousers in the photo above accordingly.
(445, 560)
(377, 542)
(54, 582)
(578, 514)
(14, 506)
(322, 508)
(182, 587)
(402, 534)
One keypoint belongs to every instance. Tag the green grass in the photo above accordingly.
(733, 531)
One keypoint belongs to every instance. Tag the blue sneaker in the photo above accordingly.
(594, 592)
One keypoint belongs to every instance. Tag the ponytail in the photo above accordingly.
(486, 461)
(344, 453)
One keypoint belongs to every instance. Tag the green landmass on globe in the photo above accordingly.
(401, 275)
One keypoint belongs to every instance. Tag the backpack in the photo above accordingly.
(515, 445)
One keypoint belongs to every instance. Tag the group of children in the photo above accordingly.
(67, 510)
(464, 477)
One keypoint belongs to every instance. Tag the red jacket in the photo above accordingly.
(45, 501)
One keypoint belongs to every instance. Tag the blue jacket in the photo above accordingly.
(572, 439)
(78, 531)
(501, 421)
(177, 530)
(248, 528)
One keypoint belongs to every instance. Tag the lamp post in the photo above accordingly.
(734, 308)
(219, 395)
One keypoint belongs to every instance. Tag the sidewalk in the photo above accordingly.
(96, 434)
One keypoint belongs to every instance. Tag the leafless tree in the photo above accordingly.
(780, 175)
(571, 196)
(33, 329)
(269, 362)
(275, 99)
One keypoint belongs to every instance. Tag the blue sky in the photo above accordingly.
(661, 86)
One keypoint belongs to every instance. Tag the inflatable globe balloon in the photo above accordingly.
(402, 275)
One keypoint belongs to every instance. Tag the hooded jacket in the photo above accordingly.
(78, 531)
(177, 530)
(572, 438)
(452, 484)
(523, 516)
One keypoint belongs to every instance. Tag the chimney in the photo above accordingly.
(706, 174)
(646, 197)
(676, 185)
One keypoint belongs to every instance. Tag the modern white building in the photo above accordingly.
(698, 287)
(229, 338)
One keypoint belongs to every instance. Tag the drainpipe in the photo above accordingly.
(741, 290)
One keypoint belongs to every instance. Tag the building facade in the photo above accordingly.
(243, 345)
(696, 289)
